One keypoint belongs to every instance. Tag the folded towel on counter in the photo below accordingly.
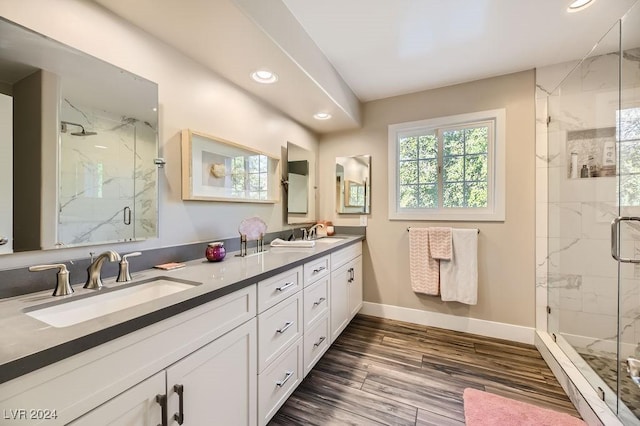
(423, 269)
(459, 276)
(297, 243)
(440, 243)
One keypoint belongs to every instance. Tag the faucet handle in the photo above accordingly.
(63, 288)
(123, 273)
(135, 253)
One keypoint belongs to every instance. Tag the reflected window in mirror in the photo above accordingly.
(353, 188)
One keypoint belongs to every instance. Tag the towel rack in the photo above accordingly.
(410, 228)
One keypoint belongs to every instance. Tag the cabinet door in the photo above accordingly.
(134, 407)
(219, 381)
(355, 286)
(339, 299)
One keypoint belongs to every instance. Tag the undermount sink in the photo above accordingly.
(107, 301)
(328, 240)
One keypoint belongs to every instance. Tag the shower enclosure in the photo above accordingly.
(593, 217)
(107, 177)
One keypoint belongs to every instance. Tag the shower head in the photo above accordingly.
(65, 124)
(83, 133)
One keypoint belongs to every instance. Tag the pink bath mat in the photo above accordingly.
(486, 409)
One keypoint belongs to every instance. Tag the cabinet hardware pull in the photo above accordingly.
(285, 286)
(286, 325)
(319, 342)
(162, 400)
(320, 269)
(286, 377)
(127, 215)
(322, 299)
(179, 416)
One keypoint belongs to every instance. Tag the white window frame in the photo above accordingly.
(496, 166)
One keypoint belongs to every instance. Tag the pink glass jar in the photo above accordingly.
(215, 251)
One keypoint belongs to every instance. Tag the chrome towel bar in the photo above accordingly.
(410, 228)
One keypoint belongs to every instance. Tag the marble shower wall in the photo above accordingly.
(103, 174)
(576, 275)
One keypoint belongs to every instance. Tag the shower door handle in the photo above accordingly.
(127, 215)
(615, 238)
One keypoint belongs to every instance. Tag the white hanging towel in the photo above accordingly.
(459, 276)
(423, 269)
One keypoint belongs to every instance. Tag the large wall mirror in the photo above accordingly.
(353, 184)
(300, 185)
(78, 140)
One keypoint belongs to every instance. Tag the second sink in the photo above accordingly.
(107, 301)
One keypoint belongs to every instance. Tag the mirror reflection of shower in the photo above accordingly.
(64, 128)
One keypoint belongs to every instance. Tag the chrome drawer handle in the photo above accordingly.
(320, 269)
(286, 377)
(286, 326)
(319, 342)
(286, 286)
(322, 299)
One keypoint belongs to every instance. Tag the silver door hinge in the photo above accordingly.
(160, 162)
(601, 393)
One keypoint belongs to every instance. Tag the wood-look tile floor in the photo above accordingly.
(389, 372)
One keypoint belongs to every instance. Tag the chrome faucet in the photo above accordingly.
(94, 281)
(313, 233)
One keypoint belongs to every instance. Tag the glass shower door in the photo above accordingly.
(583, 278)
(626, 236)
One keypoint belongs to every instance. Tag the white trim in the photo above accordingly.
(497, 176)
(499, 330)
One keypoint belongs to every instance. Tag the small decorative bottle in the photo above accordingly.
(584, 172)
(215, 251)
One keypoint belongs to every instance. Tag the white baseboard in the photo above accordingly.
(498, 330)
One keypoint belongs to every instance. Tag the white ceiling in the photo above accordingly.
(327, 51)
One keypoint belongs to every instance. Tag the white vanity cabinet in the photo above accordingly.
(210, 349)
(217, 383)
(230, 361)
(346, 287)
(280, 329)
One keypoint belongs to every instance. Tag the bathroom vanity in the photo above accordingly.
(229, 350)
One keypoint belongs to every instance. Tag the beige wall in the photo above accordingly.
(506, 249)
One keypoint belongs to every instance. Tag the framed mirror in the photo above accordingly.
(353, 184)
(82, 135)
(300, 185)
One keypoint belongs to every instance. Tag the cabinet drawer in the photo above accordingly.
(316, 269)
(275, 289)
(279, 381)
(316, 302)
(316, 343)
(344, 255)
(278, 328)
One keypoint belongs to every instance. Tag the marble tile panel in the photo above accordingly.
(565, 220)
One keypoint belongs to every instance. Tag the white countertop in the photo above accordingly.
(25, 340)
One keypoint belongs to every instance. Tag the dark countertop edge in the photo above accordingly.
(27, 364)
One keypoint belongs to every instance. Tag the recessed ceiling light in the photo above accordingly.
(577, 5)
(322, 116)
(264, 76)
